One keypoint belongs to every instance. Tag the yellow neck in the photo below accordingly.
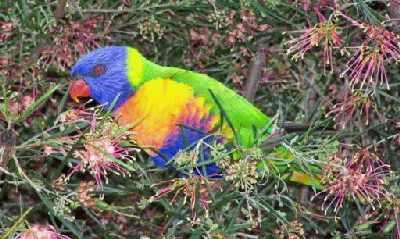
(135, 66)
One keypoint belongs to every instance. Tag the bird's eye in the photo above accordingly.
(99, 70)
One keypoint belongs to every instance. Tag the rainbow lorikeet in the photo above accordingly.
(168, 108)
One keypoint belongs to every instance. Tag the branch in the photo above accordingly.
(394, 13)
(7, 147)
(60, 10)
(255, 74)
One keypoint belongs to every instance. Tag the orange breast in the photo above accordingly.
(159, 107)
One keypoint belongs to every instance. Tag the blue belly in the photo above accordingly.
(186, 140)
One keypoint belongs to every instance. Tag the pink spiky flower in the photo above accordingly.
(365, 68)
(39, 231)
(97, 157)
(367, 65)
(325, 33)
(360, 177)
(349, 105)
(195, 190)
(101, 151)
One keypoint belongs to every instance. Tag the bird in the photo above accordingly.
(169, 109)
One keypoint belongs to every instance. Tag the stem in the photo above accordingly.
(60, 10)
(255, 74)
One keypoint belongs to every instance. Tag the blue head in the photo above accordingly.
(102, 75)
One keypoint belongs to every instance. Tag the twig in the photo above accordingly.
(14, 227)
(255, 74)
(60, 10)
(244, 235)
(7, 147)
(274, 139)
(394, 13)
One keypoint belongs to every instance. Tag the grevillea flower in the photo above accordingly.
(359, 177)
(324, 33)
(246, 29)
(350, 104)
(101, 150)
(71, 40)
(387, 42)
(243, 173)
(39, 231)
(83, 194)
(195, 189)
(97, 156)
(367, 65)
(5, 30)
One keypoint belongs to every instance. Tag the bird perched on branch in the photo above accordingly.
(169, 109)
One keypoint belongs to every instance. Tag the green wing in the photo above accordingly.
(245, 120)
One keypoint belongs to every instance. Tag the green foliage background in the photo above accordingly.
(40, 40)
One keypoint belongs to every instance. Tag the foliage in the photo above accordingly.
(68, 170)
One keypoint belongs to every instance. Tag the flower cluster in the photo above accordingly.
(222, 18)
(243, 172)
(196, 189)
(186, 159)
(102, 150)
(6, 31)
(293, 230)
(39, 231)
(150, 29)
(325, 33)
(105, 147)
(359, 177)
(203, 44)
(367, 65)
(70, 41)
(349, 104)
(244, 30)
(83, 194)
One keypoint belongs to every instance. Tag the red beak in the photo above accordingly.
(78, 89)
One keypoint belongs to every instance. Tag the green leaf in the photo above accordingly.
(36, 104)
(14, 227)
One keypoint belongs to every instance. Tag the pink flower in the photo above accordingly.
(361, 177)
(349, 105)
(324, 33)
(101, 151)
(98, 157)
(367, 65)
(39, 231)
(5, 30)
(70, 40)
(195, 190)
